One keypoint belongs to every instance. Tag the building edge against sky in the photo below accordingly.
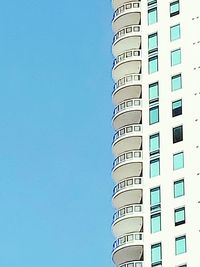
(156, 73)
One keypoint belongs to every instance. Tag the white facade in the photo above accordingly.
(142, 240)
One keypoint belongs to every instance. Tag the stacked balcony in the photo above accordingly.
(127, 225)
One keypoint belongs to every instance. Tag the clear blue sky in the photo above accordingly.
(55, 133)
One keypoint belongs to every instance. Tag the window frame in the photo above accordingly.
(180, 138)
(176, 57)
(151, 10)
(173, 28)
(179, 82)
(156, 228)
(155, 205)
(179, 222)
(157, 150)
(174, 13)
(153, 48)
(157, 172)
(176, 183)
(154, 69)
(177, 250)
(177, 111)
(151, 2)
(179, 166)
(153, 86)
(159, 260)
(152, 121)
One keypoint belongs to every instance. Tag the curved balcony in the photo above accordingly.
(127, 138)
(127, 87)
(128, 219)
(127, 192)
(126, 39)
(127, 113)
(127, 62)
(126, 14)
(127, 165)
(128, 248)
(133, 264)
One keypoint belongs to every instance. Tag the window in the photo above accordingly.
(176, 82)
(153, 92)
(176, 57)
(155, 199)
(156, 255)
(153, 42)
(174, 8)
(178, 161)
(176, 108)
(156, 223)
(180, 244)
(152, 16)
(154, 143)
(177, 134)
(179, 188)
(154, 167)
(179, 216)
(153, 64)
(151, 2)
(175, 32)
(153, 115)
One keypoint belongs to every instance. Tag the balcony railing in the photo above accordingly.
(126, 31)
(127, 130)
(126, 8)
(131, 209)
(128, 156)
(131, 54)
(127, 104)
(132, 264)
(126, 184)
(128, 80)
(126, 239)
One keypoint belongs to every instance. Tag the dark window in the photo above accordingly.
(177, 134)
(176, 108)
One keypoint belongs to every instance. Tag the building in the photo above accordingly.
(156, 145)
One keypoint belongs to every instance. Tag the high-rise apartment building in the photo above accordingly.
(156, 145)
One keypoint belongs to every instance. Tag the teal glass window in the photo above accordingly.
(153, 92)
(153, 64)
(176, 82)
(174, 8)
(154, 143)
(180, 245)
(153, 42)
(155, 198)
(177, 134)
(175, 32)
(178, 161)
(150, 2)
(153, 115)
(179, 216)
(176, 108)
(179, 188)
(156, 223)
(156, 254)
(176, 57)
(155, 167)
(152, 16)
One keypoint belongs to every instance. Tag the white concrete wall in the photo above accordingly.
(190, 94)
